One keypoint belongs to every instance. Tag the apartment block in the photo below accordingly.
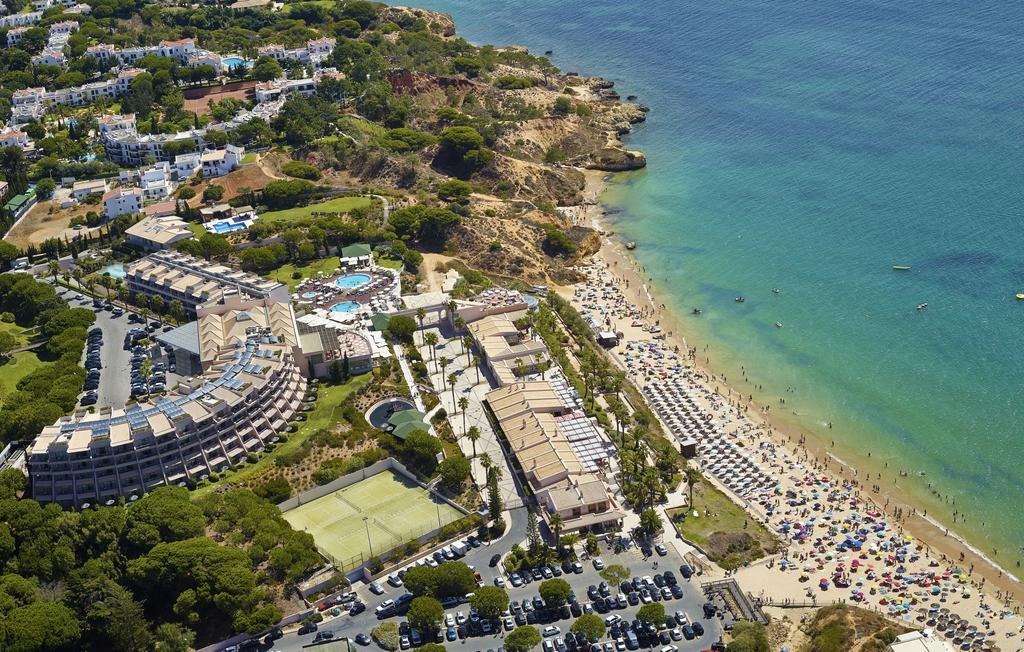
(192, 281)
(249, 392)
(158, 233)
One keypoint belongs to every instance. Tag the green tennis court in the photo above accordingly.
(388, 507)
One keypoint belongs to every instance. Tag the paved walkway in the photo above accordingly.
(467, 385)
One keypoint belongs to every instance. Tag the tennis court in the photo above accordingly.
(388, 505)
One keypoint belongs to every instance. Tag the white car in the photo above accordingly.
(460, 618)
(509, 624)
(598, 563)
(499, 581)
(670, 648)
(404, 643)
(449, 620)
(552, 630)
(376, 588)
(612, 619)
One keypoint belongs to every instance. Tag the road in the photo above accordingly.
(691, 602)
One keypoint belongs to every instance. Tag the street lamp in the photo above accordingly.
(367, 524)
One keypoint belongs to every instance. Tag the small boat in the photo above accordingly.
(922, 306)
(778, 324)
(901, 268)
(739, 299)
(1020, 296)
(697, 311)
(631, 245)
(548, 53)
(631, 98)
(776, 290)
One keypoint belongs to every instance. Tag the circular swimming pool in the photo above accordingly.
(345, 306)
(352, 280)
(379, 414)
(309, 295)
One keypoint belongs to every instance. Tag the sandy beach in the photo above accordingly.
(908, 566)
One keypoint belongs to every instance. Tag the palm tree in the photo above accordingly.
(451, 381)
(463, 404)
(467, 345)
(555, 521)
(54, 270)
(420, 316)
(444, 365)
(473, 434)
(485, 461)
(430, 339)
(476, 363)
(692, 478)
(460, 324)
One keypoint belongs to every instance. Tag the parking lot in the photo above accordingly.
(117, 365)
(586, 584)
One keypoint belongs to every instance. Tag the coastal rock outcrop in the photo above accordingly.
(437, 22)
(616, 159)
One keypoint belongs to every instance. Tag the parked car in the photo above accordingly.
(307, 628)
(598, 563)
(362, 639)
(376, 588)
(552, 630)
(494, 560)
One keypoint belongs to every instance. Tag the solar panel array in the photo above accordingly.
(138, 418)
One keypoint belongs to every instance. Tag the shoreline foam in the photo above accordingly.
(926, 529)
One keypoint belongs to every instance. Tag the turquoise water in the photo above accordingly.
(116, 270)
(233, 62)
(809, 146)
(352, 280)
(345, 306)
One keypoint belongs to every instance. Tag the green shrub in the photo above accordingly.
(512, 82)
(301, 170)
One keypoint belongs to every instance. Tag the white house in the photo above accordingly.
(16, 138)
(50, 57)
(122, 201)
(187, 165)
(15, 34)
(155, 182)
(81, 189)
(19, 19)
(219, 162)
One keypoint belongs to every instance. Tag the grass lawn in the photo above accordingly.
(250, 157)
(390, 264)
(728, 535)
(370, 517)
(326, 4)
(19, 366)
(198, 230)
(337, 205)
(284, 273)
(18, 332)
(322, 416)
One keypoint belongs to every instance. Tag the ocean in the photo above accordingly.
(810, 146)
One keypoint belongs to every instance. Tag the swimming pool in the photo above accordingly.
(345, 306)
(350, 281)
(116, 270)
(234, 62)
(310, 295)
